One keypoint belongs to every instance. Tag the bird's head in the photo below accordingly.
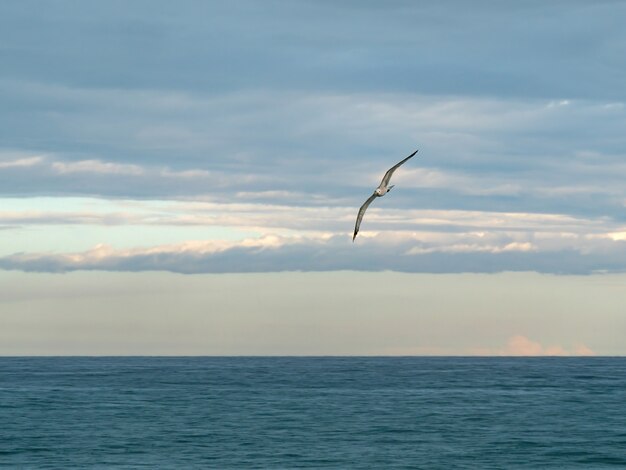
(378, 192)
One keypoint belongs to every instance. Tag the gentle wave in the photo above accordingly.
(324, 412)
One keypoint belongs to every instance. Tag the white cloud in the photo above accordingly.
(317, 238)
(97, 167)
(474, 248)
(325, 251)
(21, 162)
(184, 174)
(52, 218)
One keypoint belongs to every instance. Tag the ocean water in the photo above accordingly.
(326, 412)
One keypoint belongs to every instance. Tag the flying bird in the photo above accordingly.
(382, 189)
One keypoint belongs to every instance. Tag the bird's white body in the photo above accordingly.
(382, 190)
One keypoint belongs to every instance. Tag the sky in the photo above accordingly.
(184, 177)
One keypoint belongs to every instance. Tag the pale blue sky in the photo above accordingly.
(241, 137)
(330, 313)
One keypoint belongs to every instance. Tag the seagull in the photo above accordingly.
(379, 192)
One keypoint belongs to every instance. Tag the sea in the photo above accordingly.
(313, 412)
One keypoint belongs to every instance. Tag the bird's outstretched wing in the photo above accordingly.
(387, 177)
(361, 212)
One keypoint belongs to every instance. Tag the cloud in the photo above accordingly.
(21, 162)
(583, 350)
(404, 252)
(69, 218)
(522, 346)
(52, 175)
(511, 51)
(517, 345)
(96, 167)
(317, 238)
(288, 129)
(477, 153)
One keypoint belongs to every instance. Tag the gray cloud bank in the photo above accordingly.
(274, 254)
(515, 107)
(295, 109)
(543, 156)
(532, 48)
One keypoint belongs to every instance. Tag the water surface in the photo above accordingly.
(326, 412)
